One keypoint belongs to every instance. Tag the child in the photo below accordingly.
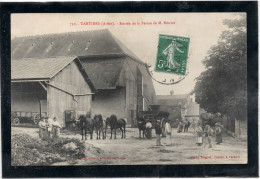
(207, 136)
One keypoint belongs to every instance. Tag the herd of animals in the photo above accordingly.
(100, 125)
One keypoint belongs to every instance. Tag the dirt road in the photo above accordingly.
(133, 150)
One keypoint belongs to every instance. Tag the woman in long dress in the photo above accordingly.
(199, 133)
(168, 130)
(169, 52)
(43, 129)
(218, 132)
(207, 136)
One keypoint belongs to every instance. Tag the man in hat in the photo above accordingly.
(158, 132)
(55, 128)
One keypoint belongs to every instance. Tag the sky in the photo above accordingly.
(203, 29)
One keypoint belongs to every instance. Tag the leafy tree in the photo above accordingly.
(222, 87)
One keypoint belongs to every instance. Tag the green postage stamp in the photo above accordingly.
(172, 54)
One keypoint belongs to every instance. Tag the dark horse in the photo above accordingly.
(86, 124)
(141, 122)
(100, 126)
(115, 123)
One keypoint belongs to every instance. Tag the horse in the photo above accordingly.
(141, 124)
(115, 123)
(86, 124)
(100, 126)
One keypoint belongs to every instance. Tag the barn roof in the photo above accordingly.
(100, 52)
(104, 73)
(84, 43)
(38, 69)
(172, 100)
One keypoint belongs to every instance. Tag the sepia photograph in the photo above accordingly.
(128, 89)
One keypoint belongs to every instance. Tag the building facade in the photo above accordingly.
(50, 86)
(123, 85)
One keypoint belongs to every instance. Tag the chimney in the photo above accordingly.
(172, 92)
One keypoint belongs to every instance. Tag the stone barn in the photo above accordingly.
(123, 85)
(49, 86)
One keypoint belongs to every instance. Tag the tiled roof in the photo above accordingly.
(84, 43)
(104, 73)
(100, 52)
(38, 68)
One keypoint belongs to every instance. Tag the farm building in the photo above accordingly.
(179, 107)
(123, 85)
(49, 86)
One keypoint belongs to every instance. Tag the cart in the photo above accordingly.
(18, 117)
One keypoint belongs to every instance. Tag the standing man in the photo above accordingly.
(49, 122)
(55, 128)
(42, 128)
(158, 132)
(186, 125)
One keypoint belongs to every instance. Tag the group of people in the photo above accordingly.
(183, 125)
(49, 129)
(205, 136)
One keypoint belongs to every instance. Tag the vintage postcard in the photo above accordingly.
(128, 89)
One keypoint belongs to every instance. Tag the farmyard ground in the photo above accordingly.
(135, 151)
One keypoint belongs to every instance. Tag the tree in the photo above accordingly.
(222, 86)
